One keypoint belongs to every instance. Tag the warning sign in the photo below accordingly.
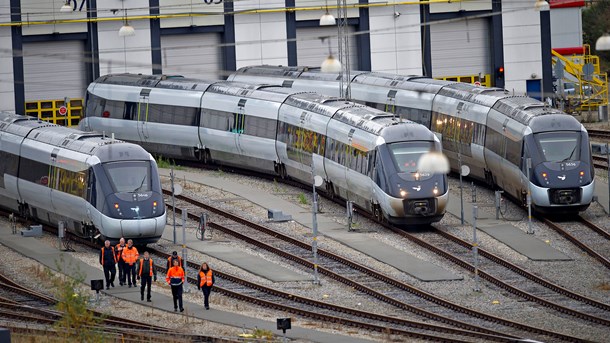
(63, 110)
(477, 83)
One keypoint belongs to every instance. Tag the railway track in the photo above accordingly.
(602, 134)
(382, 287)
(518, 281)
(600, 162)
(593, 240)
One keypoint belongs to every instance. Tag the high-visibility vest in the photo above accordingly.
(170, 261)
(176, 273)
(206, 278)
(151, 266)
(119, 252)
(113, 254)
(130, 256)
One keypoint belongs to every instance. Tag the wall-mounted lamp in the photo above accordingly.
(66, 7)
(603, 42)
(542, 5)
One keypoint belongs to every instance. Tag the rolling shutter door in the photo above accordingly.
(312, 52)
(460, 48)
(193, 55)
(54, 70)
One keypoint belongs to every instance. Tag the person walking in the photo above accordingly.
(170, 260)
(205, 281)
(146, 272)
(108, 261)
(119, 257)
(175, 278)
(130, 256)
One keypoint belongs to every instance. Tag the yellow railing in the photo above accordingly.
(485, 80)
(588, 94)
(49, 110)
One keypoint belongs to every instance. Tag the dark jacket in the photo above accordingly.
(107, 256)
(143, 267)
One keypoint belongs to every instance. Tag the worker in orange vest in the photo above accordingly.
(108, 261)
(121, 264)
(205, 281)
(170, 260)
(130, 256)
(146, 271)
(175, 278)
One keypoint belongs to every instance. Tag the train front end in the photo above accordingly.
(129, 195)
(411, 196)
(561, 173)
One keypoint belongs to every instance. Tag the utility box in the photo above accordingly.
(33, 231)
(603, 112)
(278, 216)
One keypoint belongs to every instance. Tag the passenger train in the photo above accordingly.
(94, 184)
(363, 154)
(490, 130)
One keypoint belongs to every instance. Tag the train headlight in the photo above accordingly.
(544, 175)
(403, 193)
(154, 204)
(582, 173)
(116, 205)
(416, 176)
(435, 190)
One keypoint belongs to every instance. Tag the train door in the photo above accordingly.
(351, 159)
(390, 105)
(239, 124)
(142, 114)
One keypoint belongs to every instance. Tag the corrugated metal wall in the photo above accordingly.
(312, 52)
(192, 55)
(460, 48)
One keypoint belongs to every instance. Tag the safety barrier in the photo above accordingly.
(483, 80)
(56, 111)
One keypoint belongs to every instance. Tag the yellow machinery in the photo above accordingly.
(589, 92)
(56, 111)
(485, 79)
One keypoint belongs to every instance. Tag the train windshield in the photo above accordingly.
(132, 176)
(407, 154)
(559, 146)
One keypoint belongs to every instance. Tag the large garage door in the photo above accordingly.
(192, 55)
(54, 70)
(460, 48)
(312, 52)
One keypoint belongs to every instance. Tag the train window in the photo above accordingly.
(34, 171)
(114, 108)
(155, 113)
(8, 166)
(95, 105)
(513, 151)
(495, 142)
(131, 176)
(406, 154)
(559, 145)
(217, 120)
(238, 122)
(260, 127)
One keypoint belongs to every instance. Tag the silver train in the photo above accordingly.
(490, 130)
(362, 154)
(94, 184)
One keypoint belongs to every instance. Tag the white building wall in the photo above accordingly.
(7, 90)
(522, 53)
(124, 54)
(566, 27)
(395, 40)
(260, 38)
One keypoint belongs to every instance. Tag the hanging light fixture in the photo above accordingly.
(603, 42)
(542, 5)
(66, 7)
(327, 19)
(330, 64)
(126, 30)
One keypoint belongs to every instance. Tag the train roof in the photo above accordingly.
(88, 143)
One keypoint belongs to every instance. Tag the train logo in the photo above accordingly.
(561, 177)
(418, 188)
(136, 210)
